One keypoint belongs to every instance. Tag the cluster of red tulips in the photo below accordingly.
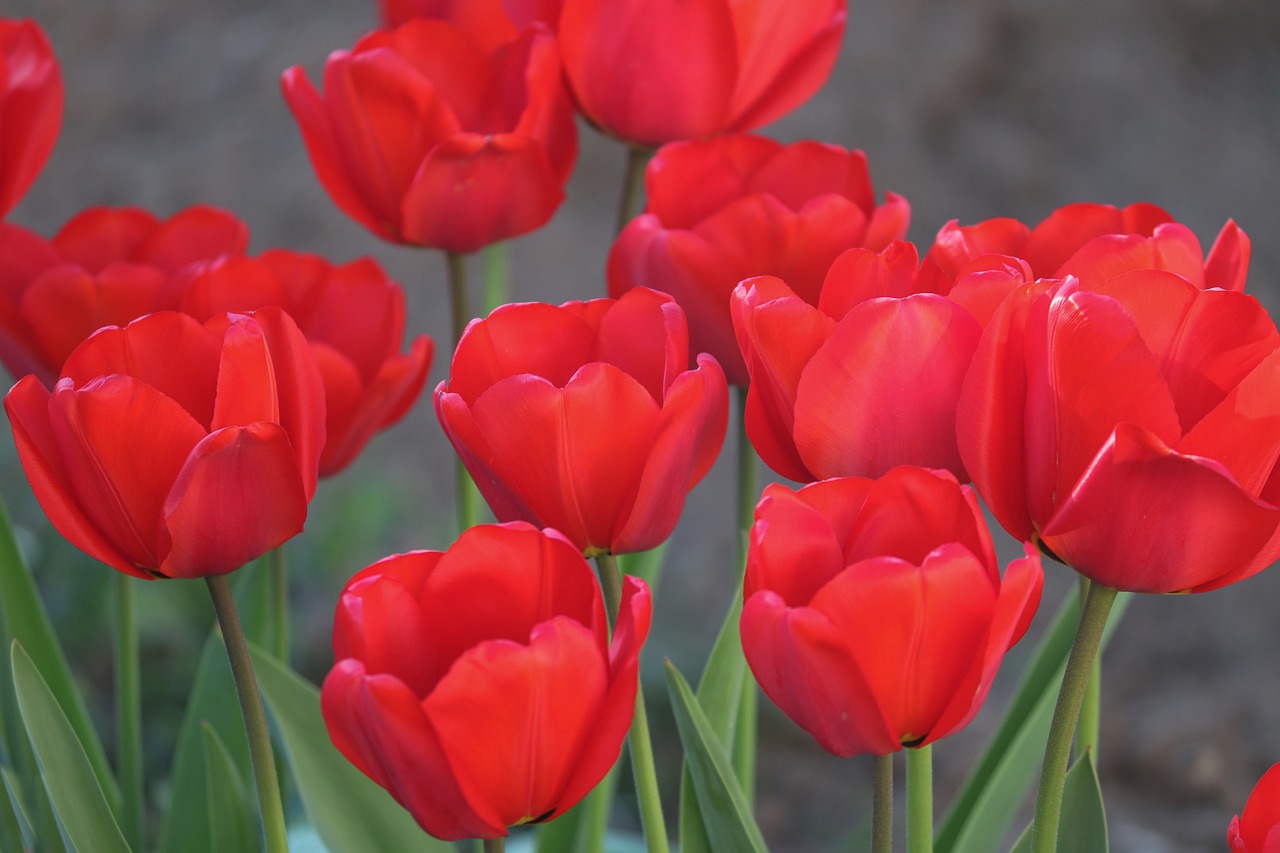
(1104, 385)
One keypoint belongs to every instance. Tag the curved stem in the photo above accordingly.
(1093, 619)
(279, 580)
(745, 732)
(465, 495)
(920, 799)
(128, 695)
(632, 185)
(1091, 709)
(882, 806)
(255, 721)
(610, 585)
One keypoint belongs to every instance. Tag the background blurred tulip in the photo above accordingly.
(875, 616)
(479, 685)
(761, 208)
(1258, 829)
(585, 417)
(30, 107)
(172, 449)
(427, 136)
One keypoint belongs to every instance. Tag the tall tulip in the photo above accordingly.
(30, 107)
(875, 616)
(172, 449)
(585, 418)
(426, 136)
(761, 208)
(1257, 830)
(479, 685)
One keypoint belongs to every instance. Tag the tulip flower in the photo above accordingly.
(1131, 429)
(353, 317)
(875, 616)
(656, 71)
(1258, 829)
(489, 22)
(1097, 242)
(761, 208)
(30, 107)
(172, 449)
(479, 685)
(105, 267)
(424, 136)
(584, 418)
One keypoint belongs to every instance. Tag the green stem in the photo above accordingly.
(595, 821)
(632, 184)
(497, 274)
(279, 580)
(495, 845)
(610, 585)
(1091, 709)
(255, 721)
(882, 806)
(128, 712)
(920, 799)
(745, 733)
(1093, 619)
(465, 495)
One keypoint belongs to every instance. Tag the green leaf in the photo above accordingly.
(213, 702)
(349, 811)
(68, 775)
(232, 817)
(1083, 824)
(23, 618)
(646, 565)
(16, 827)
(726, 816)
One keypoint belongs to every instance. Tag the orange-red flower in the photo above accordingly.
(585, 417)
(479, 685)
(875, 616)
(426, 135)
(1258, 829)
(172, 449)
(353, 317)
(656, 71)
(30, 107)
(757, 207)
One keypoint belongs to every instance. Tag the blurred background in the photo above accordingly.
(971, 110)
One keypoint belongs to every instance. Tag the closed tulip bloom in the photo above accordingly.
(875, 616)
(479, 685)
(869, 378)
(30, 107)
(1097, 242)
(657, 71)
(353, 317)
(105, 267)
(1258, 829)
(1132, 429)
(427, 136)
(761, 208)
(174, 449)
(585, 417)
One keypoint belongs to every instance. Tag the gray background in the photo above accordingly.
(971, 110)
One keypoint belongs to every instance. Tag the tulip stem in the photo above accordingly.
(632, 184)
(465, 494)
(610, 585)
(1091, 710)
(495, 845)
(128, 713)
(882, 806)
(278, 570)
(497, 273)
(255, 721)
(1093, 619)
(920, 799)
(745, 732)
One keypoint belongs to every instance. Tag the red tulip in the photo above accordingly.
(106, 266)
(761, 208)
(656, 71)
(1097, 242)
(1132, 429)
(425, 137)
(869, 379)
(489, 22)
(1258, 829)
(875, 616)
(30, 107)
(479, 685)
(584, 418)
(353, 317)
(171, 449)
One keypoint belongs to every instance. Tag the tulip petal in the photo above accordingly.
(198, 233)
(100, 236)
(1227, 265)
(797, 548)
(384, 595)
(644, 335)
(858, 275)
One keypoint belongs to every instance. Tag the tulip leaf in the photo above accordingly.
(23, 618)
(726, 815)
(65, 768)
(212, 701)
(232, 819)
(1083, 824)
(348, 810)
(15, 820)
